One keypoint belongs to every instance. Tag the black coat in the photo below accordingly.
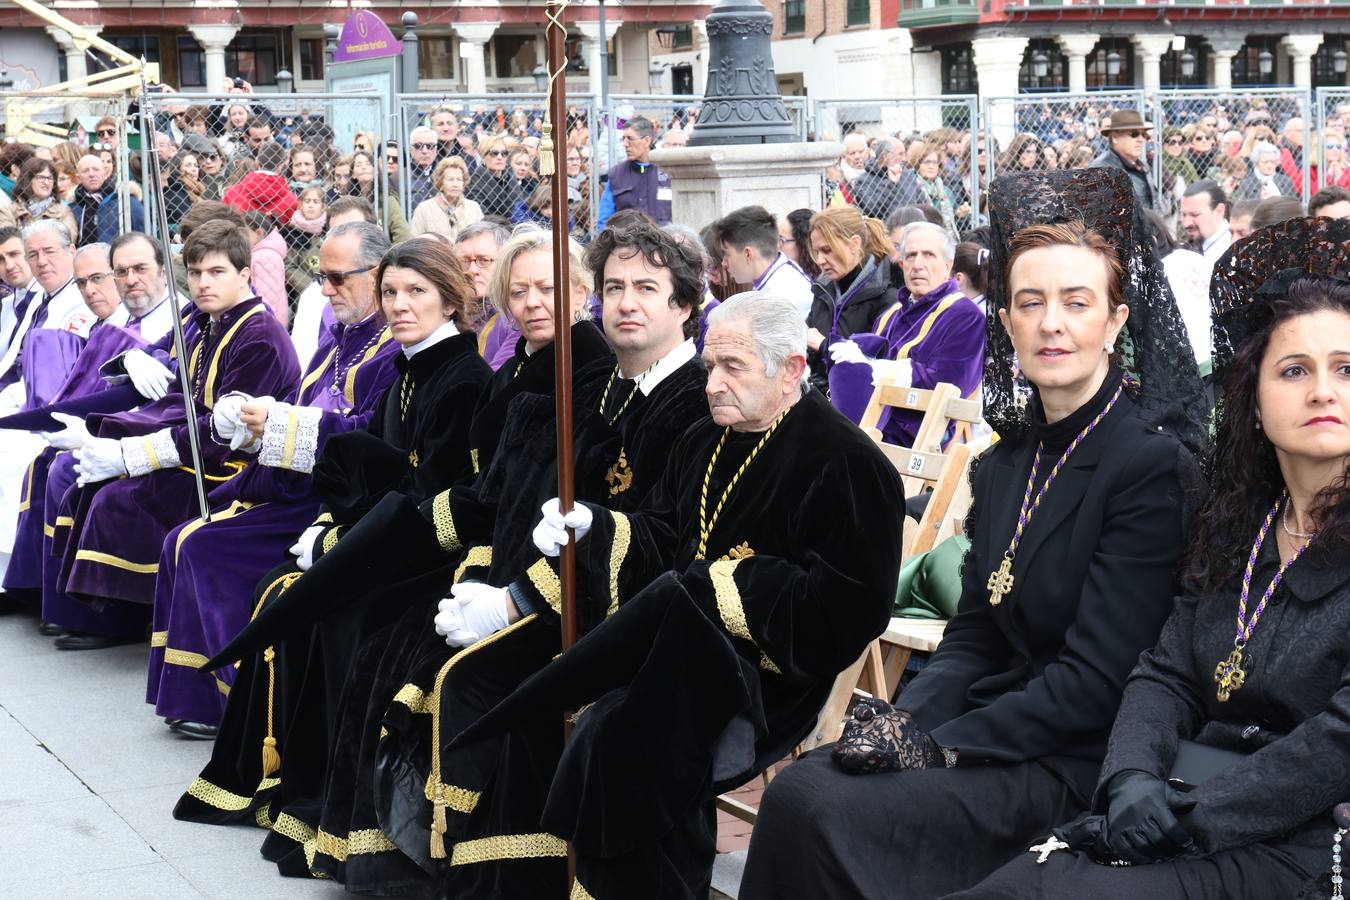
(876, 196)
(876, 296)
(1292, 714)
(1140, 178)
(1041, 674)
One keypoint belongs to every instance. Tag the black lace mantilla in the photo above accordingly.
(1156, 352)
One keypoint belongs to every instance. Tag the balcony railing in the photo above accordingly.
(928, 13)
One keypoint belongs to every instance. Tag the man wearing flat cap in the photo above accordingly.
(1129, 133)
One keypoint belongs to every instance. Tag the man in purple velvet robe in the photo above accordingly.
(108, 337)
(476, 247)
(932, 334)
(203, 597)
(111, 553)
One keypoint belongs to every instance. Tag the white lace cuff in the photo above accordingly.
(290, 437)
(150, 453)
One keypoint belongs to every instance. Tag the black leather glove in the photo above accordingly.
(1140, 824)
(881, 738)
(1083, 833)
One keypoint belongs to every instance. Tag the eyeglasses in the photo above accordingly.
(1174, 142)
(337, 278)
(783, 242)
(108, 131)
(140, 270)
(495, 153)
(391, 159)
(1334, 146)
(96, 280)
(43, 177)
(1136, 134)
(206, 156)
(424, 146)
(477, 262)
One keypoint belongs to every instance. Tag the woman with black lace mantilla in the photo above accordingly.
(1077, 529)
(1233, 740)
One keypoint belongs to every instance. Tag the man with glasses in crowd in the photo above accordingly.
(636, 183)
(422, 151)
(1129, 134)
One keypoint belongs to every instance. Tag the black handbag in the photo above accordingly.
(1197, 763)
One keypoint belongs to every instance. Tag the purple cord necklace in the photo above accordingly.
(1000, 582)
(1228, 674)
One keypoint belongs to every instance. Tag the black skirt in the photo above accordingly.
(902, 835)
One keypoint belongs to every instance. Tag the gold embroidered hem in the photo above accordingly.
(731, 609)
(288, 826)
(107, 559)
(461, 800)
(579, 892)
(507, 846)
(444, 521)
(618, 552)
(358, 843)
(218, 797)
(330, 538)
(546, 582)
(235, 508)
(476, 556)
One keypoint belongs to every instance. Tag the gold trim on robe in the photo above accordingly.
(618, 552)
(507, 846)
(732, 610)
(546, 582)
(444, 521)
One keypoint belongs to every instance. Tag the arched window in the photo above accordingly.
(1044, 67)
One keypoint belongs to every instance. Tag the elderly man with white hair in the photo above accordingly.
(761, 567)
(932, 334)
(422, 152)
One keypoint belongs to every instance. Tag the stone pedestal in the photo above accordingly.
(709, 182)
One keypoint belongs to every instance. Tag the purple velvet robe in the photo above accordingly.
(119, 526)
(202, 597)
(105, 341)
(497, 340)
(942, 335)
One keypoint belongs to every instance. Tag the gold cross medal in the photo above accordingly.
(1000, 581)
(1228, 675)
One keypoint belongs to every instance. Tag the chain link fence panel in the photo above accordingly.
(280, 160)
(496, 139)
(69, 127)
(934, 156)
(1249, 140)
(1331, 107)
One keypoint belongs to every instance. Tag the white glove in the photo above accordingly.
(550, 535)
(450, 624)
(98, 460)
(303, 548)
(72, 437)
(485, 609)
(148, 375)
(898, 372)
(225, 421)
(846, 352)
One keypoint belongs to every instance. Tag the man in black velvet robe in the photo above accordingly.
(759, 568)
(627, 416)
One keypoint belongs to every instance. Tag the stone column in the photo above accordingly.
(214, 39)
(1223, 50)
(76, 65)
(1078, 47)
(1301, 49)
(590, 34)
(1151, 48)
(997, 61)
(473, 38)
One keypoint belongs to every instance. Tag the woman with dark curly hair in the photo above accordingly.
(1232, 744)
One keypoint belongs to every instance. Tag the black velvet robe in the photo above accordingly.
(709, 670)
(388, 695)
(355, 471)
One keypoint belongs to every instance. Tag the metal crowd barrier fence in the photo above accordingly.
(503, 185)
(1242, 118)
(946, 125)
(280, 159)
(1020, 132)
(67, 125)
(1331, 107)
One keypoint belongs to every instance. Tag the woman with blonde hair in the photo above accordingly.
(857, 282)
(448, 212)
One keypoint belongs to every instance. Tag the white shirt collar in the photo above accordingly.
(447, 330)
(1216, 236)
(664, 366)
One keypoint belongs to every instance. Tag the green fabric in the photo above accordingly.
(929, 585)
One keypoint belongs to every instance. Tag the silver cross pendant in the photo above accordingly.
(1043, 851)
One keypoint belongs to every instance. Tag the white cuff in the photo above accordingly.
(290, 437)
(150, 453)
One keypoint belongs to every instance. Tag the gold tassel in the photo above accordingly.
(547, 163)
(271, 759)
(438, 827)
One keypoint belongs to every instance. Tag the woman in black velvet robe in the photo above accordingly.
(418, 442)
(1258, 823)
(1001, 735)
